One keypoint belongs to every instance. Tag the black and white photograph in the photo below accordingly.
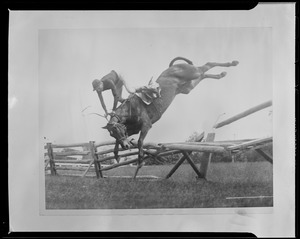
(153, 114)
(159, 132)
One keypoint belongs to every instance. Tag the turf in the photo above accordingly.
(182, 190)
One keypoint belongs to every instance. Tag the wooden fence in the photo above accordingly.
(95, 153)
(256, 144)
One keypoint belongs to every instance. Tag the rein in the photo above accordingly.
(114, 115)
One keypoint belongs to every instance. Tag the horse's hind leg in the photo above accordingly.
(210, 65)
(218, 76)
(195, 82)
(195, 78)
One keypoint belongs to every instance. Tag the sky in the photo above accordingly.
(70, 59)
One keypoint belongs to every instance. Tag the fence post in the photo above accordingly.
(265, 155)
(206, 156)
(51, 159)
(95, 157)
(176, 166)
(185, 156)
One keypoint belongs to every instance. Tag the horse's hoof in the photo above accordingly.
(235, 63)
(141, 164)
(223, 74)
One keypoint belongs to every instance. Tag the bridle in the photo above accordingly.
(114, 115)
(119, 127)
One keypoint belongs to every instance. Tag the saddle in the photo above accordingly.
(148, 93)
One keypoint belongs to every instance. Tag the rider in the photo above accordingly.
(111, 82)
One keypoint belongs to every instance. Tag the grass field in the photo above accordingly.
(182, 190)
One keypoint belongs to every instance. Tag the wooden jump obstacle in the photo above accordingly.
(256, 144)
(208, 146)
(92, 155)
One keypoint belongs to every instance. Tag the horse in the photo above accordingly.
(134, 116)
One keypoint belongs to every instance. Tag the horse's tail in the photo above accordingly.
(180, 58)
(130, 91)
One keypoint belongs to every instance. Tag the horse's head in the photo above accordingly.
(119, 132)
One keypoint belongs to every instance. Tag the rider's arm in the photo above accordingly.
(116, 98)
(102, 101)
(115, 104)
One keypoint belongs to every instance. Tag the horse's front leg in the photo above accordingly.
(143, 134)
(116, 152)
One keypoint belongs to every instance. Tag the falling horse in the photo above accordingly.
(134, 116)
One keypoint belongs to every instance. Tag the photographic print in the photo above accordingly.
(138, 118)
(173, 121)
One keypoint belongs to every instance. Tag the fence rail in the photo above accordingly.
(243, 114)
(94, 155)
